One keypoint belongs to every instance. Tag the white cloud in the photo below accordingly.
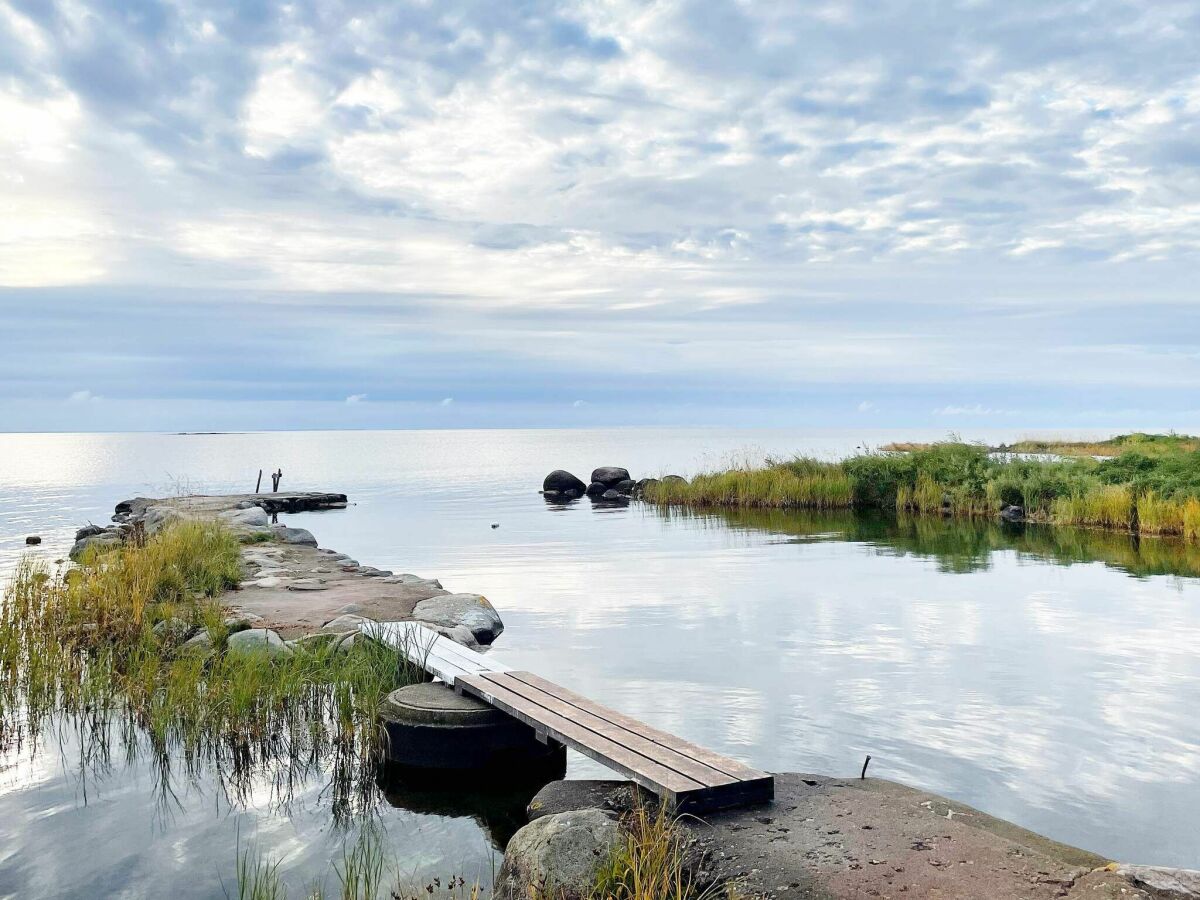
(447, 401)
(356, 398)
(83, 396)
(867, 406)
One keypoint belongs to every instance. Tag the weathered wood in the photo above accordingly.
(730, 767)
(685, 775)
(644, 771)
(699, 772)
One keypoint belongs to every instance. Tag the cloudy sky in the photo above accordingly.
(412, 214)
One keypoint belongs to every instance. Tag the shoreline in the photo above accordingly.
(821, 837)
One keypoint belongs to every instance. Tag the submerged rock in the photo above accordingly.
(563, 482)
(33, 540)
(610, 476)
(1013, 513)
(472, 610)
(557, 855)
(626, 486)
(595, 489)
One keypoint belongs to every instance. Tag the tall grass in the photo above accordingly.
(1157, 494)
(650, 862)
(79, 648)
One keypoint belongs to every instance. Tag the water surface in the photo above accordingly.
(1045, 676)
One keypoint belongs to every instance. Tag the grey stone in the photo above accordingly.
(1013, 513)
(1183, 884)
(595, 489)
(308, 584)
(610, 794)
(240, 622)
(200, 643)
(257, 640)
(318, 640)
(156, 518)
(88, 531)
(460, 634)
(175, 630)
(294, 535)
(33, 540)
(472, 610)
(246, 504)
(249, 517)
(563, 481)
(345, 622)
(557, 855)
(105, 541)
(611, 495)
(674, 479)
(646, 484)
(626, 486)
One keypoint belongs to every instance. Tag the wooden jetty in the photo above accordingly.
(688, 777)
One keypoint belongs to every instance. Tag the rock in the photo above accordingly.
(33, 540)
(595, 489)
(173, 630)
(472, 610)
(612, 495)
(200, 643)
(557, 856)
(99, 542)
(257, 640)
(89, 531)
(345, 622)
(308, 584)
(240, 622)
(1166, 882)
(610, 476)
(644, 485)
(293, 535)
(625, 487)
(563, 481)
(565, 796)
(460, 634)
(1013, 513)
(316, 641)
(551, 495)
(247, 504)
(249, 517)
(156, 518)
(674, 479)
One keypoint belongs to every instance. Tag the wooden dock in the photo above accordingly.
(688, 777)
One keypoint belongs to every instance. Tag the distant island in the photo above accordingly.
(1139, 483)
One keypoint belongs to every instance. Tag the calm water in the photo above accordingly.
(1048, 677)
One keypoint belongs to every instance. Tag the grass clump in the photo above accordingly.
(1151, 486)
(80, 647)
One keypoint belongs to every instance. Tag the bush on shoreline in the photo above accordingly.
(1155, 494)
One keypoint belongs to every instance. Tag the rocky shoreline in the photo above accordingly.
(820, 838)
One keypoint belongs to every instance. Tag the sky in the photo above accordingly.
(337, 214)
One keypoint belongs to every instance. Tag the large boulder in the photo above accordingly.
(88, 531)
(595, 489)
(557, 856)
(610, 476)
(472, 610)
(561, 481)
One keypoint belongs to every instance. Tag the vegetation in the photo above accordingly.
(1152, 486)
(80, 648)
(1137, 442)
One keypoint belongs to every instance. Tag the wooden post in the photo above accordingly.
(276, 477)
(258, 484)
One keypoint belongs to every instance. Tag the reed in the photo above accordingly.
(1159, 515)
(1106, 506)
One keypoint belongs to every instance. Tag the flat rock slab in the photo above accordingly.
(827, 837)
(849, 838)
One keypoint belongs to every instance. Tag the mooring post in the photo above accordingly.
(276, 477)
(258, 484)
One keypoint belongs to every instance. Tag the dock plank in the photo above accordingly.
(646, 772)
(718, 761)
(699, 772)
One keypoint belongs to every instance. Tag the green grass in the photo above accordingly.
(1152, 486)
(77, 648)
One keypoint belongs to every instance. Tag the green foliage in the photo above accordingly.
(1147, 488)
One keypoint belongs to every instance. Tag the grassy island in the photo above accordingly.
(1148, 484)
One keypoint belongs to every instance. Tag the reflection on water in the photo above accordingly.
(966, 545)
(1048, 676)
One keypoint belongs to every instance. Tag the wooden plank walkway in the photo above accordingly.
(687, 776)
